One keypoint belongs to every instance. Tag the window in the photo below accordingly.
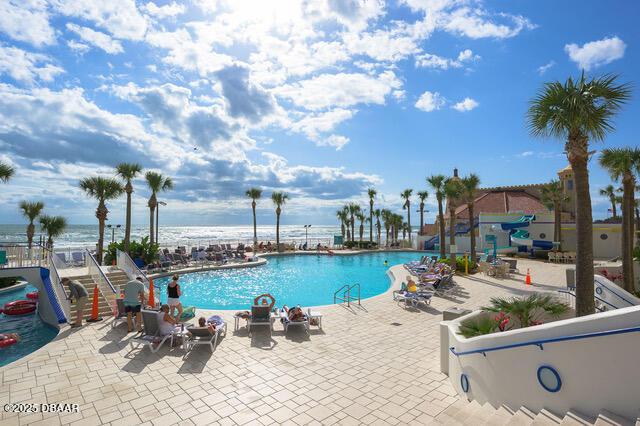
(570, 184)
(603, 236)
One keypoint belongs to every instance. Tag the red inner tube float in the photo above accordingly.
(32, 295)
(19, 307)
(7, 342)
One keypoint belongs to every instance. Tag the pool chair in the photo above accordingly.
(203, 336)
(77, 258)
(414, 299)
(441, 287)
(121, 315)
(286, 322)
(260, 316)
(151, 336)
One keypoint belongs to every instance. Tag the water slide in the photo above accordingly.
(461, 229)
(521, 237)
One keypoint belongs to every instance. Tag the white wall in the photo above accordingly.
(598, 373)
(607, 248)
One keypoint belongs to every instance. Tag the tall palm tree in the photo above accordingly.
(406, 196)
(386, 220)
(353, 209)
(156, 183)
(128, 172)
(622, 163)
(452, 190)
(378, 226)
(254, 194)
(423, 196)
(361, 217)
(31, 210)
(53, 226)
(469, 188)
(6, 172)
(437, 183)
(397, 226)
(372, 195)
(342, 217)
(578, 111)
(279, 199)
(102, 189)
(610, 192)
(553, 196)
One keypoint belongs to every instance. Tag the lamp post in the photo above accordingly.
(306, 238)
(422, 224)
(113, 231)
(160, 203)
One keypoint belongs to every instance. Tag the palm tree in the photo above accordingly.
(156, 183)
(397, 226)
(553, 196)
(361, 217)
(279, 199)
(254, 194)
(6, 172)
(406, 196)
(423, 196)
(469, 188)
(53, 226)
(452, 190)
(128, 172)
(102, 189)
(342, 217)
(610, 193)
(621, 163)
(386, 220)
(372, 194)
(345, 211)
(378, 227)
(353, 209)
(578, 111)
(31, 210)
(437, 183)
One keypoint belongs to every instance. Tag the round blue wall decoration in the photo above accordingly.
(549, 378)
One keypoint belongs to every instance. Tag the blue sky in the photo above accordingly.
(318, 99)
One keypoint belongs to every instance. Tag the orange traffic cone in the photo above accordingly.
(152, 300)
(94, 308)
(527, 280)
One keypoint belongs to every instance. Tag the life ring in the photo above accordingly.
(19, 307)
(7, 342)
(32, 295)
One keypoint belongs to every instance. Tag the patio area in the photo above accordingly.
(373, 364)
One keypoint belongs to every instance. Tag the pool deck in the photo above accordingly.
(373, 364)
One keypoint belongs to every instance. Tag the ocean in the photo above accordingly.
(171, 236)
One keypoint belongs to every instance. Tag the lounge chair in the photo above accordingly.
(260, 315)
(203, 336)
(286, 322)
(513, 265)
(151, 335)
(414, 299)
(77, 258)
(441, 287)
(62, 258)
(121, 315)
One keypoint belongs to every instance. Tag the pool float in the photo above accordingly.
(188, 313)
(19, 307)
(32, 295)
(6, 340)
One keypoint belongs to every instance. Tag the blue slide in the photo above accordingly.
(521, 237)
(461, 229)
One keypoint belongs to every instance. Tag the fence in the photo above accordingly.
(19, 255)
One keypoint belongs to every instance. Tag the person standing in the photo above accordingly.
(78, 292)
(133, 301)
(173, 296)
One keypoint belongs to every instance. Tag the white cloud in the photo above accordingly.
(315, 123)
(336, 141)
(340, 90)
(97, 38)
(596, 53)
(466, 105)
(78, 47)
(428, 60)
(26, 66)
(475, 23)
(544, 68)
(26, 20)
(166, 11)
(430, 101)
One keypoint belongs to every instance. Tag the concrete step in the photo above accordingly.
(499, 417)
(607, 418)
(522, 417)
(546, 417)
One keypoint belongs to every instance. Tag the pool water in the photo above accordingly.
(33, 331)
(307, 280)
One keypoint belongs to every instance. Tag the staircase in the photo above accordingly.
(463, 412)
(105, 309)
(118, 279)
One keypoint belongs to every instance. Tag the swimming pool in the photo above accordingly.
(33, 331)
(307, 280)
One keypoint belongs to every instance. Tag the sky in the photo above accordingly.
(320, 99)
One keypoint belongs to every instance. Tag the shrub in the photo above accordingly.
(477, 326)
(528, 308)
(361, 245)
(137, 250)
(460, 263)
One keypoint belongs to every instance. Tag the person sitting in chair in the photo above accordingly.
(294, 314)
(264, 297)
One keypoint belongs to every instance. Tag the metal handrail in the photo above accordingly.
(101, 273)
(350, 288)
(346, 295)
(542, 342)
(335, 295)
(124, 262)
(594, 296)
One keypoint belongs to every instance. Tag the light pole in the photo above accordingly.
(422, 224)
(160, 203)
(306, 235)
(113, 231)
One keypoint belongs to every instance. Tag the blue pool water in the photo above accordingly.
(307, 280)
(33, 332)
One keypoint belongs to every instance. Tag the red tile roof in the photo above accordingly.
(503, 202)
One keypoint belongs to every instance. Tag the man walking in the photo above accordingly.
(79, 293)
(133, 301)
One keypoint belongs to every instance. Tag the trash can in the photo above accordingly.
(571, 277)
(453, 313)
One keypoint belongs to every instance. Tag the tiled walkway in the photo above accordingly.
(376, 364)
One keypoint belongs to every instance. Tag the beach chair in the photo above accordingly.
(62, 258)
(552, 256)
(442, 287)
(286, 322)
(414, 299)
(151, 335)
(77, 258)
(202, 335)
(260, 316)
(121, 315)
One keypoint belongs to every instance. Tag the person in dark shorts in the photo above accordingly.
(133, 301)
(80, 294)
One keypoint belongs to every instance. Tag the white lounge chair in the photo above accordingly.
(203, 336)
(151, 336)
(260, 316)
(286, 322)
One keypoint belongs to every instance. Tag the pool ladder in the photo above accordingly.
(346, 295)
